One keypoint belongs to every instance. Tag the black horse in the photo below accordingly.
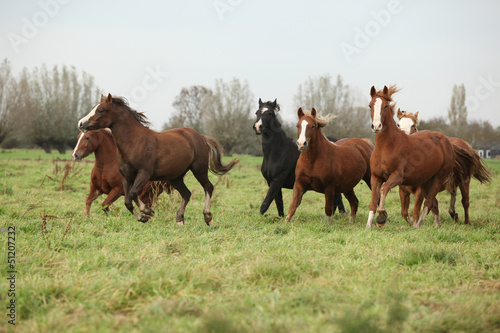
(280, 157)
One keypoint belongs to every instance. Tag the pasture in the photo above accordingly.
(246, 273)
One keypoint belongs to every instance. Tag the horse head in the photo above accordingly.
(381, 107)
(408, 121)
(87, 144)
(266, 115)
(309, 123)
(99, 117)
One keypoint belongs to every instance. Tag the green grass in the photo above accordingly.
(247, 273)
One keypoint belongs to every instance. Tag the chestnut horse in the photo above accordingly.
(467, 161)
(145, 155)
(327, 167)
(105, 177)
(424, 159)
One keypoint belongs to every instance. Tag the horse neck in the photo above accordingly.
(317, 146)
(126, 130)
(105, 150)
(271, 141)
(390, 131)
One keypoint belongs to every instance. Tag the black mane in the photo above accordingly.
(139, 116)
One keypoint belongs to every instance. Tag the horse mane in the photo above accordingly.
(388, 96)
(321, 121)
(139, 116)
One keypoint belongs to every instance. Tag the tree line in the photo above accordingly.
(39, 108)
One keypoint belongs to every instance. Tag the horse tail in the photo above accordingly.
(215, 153)
(481, 171)
(462, 169)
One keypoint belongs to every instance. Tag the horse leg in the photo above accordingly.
(131, 193)
(353, 202)
(298, 193)
(453, 199)
(375, 183)
(393, 180)
(179, 185)
(417, 206)
(430, 201)
(114, 194)
(464, 189)
(329, 199)
(279, 203)
(94, 194)
(337, 202)
(274, 188)
(435, 213)
(404, 196)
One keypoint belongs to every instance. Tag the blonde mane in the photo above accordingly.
(321, 121)
(388, 96)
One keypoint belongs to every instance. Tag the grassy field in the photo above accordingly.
(247, 273)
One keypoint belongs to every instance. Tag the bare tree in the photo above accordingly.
(457, 113)
(190, 106)
(336, 98)
(7, 96)
(228, 117)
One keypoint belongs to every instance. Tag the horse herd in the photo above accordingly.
(135, 161)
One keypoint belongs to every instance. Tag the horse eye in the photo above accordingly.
(385, 107)
(398, 125)
(100, 111)
(87, 138)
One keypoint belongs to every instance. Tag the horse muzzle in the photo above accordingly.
(77, 157)
(302, 147)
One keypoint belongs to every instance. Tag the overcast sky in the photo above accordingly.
(149, 50)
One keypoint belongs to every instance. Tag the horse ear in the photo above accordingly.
(400, 114)
(313, 112)
(109, 99)
(260, 103)
(416, 114)
(300, 113)
(372, 91)
(386, 90)
(103, 98)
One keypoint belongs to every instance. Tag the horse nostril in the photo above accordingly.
(373, 127)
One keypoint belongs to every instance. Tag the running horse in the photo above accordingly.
(105, 177)
(280, 157)
(327, 167)
(424, 160)
(145, 155)
(467, 161)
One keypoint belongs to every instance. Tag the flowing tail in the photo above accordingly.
(215, 152)
(481, 172)
(468, 164)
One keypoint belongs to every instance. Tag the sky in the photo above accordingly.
(148, 50)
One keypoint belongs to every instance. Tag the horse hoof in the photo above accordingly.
(180, 223)
(382, 218)
(380, 225)
(144, 218)
(209, 223)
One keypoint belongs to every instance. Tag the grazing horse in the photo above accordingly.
(145, 155)
(280, 157)
(105, 177)
(424, 159)
(467, 161)
(328, 167)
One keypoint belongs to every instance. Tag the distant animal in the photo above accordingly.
(467, 161)
(280, 157)
(105, 177)
(145, 155)
(327, 167)
(424, 160)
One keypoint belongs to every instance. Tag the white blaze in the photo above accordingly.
(302, 136)
(77, 144)
(377, 109)
(264, 110)
(405, 125)
(258, 125)
(87, 117)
